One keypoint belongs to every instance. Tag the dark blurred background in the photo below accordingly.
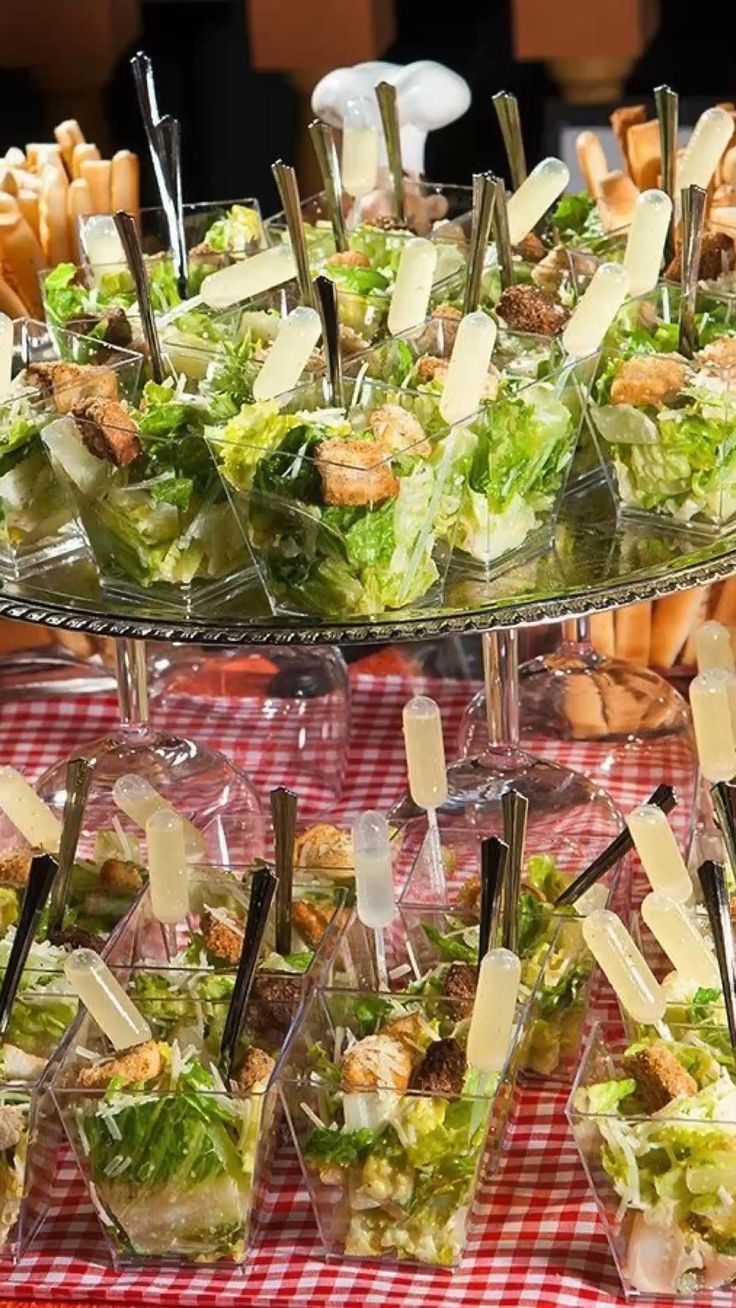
(237, 117)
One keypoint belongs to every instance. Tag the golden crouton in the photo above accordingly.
(649, 379)
(442, 1070)
(355, 472)
(141, 1063)
(716, 258)
(12, 1126)
(221, 939)
(324, 848)
(350, 259)
(659, 1077)
(469, 893)
(310, 921)
(719, 358)
(377, 1061)
(430, 367)
(256, 1066)
(15, 866)
(351, 342)
(529, 309)
(530, 248)
(398, 430)
(118, 875)
(406, 1028)
(107, 431)
(69, 384)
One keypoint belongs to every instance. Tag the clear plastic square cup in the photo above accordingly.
(514, 455)
(174, 1157)
(655, 1127)
(31, 1139)
(216, 232)
(349, 511)
(556, 963)
(221, 352)
(391, 1160)
(519, 357)
(164, 530)
(366, 274)
(37, 519)
(662, 424)
(207, 943)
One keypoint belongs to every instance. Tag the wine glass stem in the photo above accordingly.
(576, 631)
(132, 679)
(501, 672)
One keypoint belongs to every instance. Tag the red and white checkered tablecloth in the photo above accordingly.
(537, 1239)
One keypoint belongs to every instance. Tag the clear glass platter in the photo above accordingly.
(596, 563)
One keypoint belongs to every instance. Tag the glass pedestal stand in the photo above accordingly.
(563, 804)
(622, 718)
(200, 782)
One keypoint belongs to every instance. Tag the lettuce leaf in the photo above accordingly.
(341, 1148)
(254, 432)
(236, 232)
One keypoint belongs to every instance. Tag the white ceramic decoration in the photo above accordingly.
(429, 96)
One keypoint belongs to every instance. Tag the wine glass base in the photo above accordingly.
(200, 782)
(617, 723)
(562, 803)
(292, 707)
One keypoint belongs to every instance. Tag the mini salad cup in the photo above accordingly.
(418, 359)
(99, 300)
(31, 1138)
(151, 503)
(516, 464)
(202, 953)
(221, 352)
(655, 1125)
(214, 230)
(391, 1138)
(37, 520)
(557, 966)
(365, 274)
(173, 1157)
(664, 428)
(344, 508)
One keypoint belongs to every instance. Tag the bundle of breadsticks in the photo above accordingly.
(44, 189)
(615, 190)
(661, 633)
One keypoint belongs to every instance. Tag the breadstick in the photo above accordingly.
(97, 173)
(8, 203)
(602, 633)
(592, 160)
(22, 252)
(52, 219)
(125, 184)
(85, 150)
(25, 180)
(671, 623)
(616, 200)
(48, 154)
(645, 160)
(15, 157)
(10, 301)
(9, 184)
(725, 609)
(622, 120)
(728, 166)
(68, 134)
(28, 205)
(78, 205)
(689, 657)
(633, 632)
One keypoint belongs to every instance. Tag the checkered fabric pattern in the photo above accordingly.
(536, 1239)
